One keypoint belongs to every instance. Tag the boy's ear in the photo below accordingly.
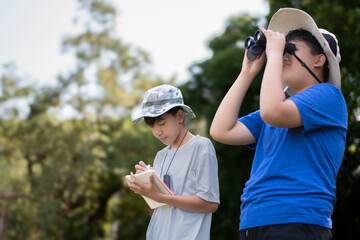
(320, 60)
(180, 115)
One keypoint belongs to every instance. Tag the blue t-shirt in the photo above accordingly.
(294, 170)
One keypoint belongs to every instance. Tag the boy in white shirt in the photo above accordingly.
(189, 161)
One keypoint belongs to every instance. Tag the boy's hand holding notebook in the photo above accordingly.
(144, 177)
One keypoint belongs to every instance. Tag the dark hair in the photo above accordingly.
(150, 121)
(312, 42)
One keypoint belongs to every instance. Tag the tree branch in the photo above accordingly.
(13, 196)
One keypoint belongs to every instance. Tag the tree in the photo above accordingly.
(68, 182)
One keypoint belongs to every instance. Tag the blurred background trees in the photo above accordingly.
(63, 178)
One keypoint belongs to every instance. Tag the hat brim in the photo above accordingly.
(288, 19)
(145, 113)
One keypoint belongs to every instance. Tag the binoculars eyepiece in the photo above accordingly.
(256, 45)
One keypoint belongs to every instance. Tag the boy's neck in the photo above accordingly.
(184, 137)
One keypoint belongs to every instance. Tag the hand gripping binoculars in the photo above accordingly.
(256, 45)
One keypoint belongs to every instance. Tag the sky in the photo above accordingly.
(173, 33)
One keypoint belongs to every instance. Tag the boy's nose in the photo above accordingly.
(159, 132)
(286, 56)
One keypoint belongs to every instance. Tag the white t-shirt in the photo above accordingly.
(193, 171)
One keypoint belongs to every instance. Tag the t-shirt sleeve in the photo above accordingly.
(206, 170)
(322, 105)
(254, 123)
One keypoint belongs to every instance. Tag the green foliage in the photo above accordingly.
(63, 178)
(211, 78)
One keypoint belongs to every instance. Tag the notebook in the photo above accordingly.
(144, 177)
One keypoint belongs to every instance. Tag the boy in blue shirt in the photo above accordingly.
(299, 141)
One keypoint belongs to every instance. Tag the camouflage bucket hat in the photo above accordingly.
(161, 99)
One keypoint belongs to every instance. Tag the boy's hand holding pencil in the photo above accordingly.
(141, 167)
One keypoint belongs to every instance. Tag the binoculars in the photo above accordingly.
(256, 45)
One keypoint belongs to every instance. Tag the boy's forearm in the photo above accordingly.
(191, 203)
(227, 114)
(275, 109)
(272, 94)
